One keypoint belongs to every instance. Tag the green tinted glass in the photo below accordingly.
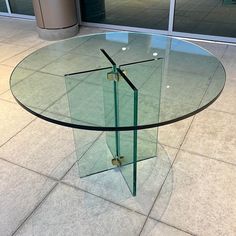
(127, 114)
(191, 79)
(122, 85)
(120, 107)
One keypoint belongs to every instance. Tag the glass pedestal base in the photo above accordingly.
(101, 155)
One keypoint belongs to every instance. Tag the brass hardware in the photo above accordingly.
(115, 76)
(117, 161)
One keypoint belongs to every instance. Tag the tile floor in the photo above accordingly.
(191, 193)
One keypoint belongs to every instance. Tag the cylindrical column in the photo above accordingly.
(56, 19)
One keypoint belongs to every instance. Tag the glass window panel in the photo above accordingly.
(214, 17)
(24, 7)
(145, 14)
(3, 7)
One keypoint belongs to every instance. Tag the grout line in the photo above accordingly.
(100, 197)
(31, 170)
(200, 154)
(18, 132)
(208, 157)
(5, 100)
(226, 112)
(92, 143)
(17, 54)
(158, 194)
(34, 209)
(162, 222)
(49, 176)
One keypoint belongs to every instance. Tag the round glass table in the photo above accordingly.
(120, 83)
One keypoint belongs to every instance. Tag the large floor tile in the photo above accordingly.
(227, 102)
(213, 134)
(29, 38)
(9, 50)
(8, 29)
(203, 196)
(5, 72)
(228, 61)
(155, 228)
(49, 148)
(68, 211)
(173, 134)
(21, 190)
(7, 96)
(13, 61)
(112, 185)
(13, 26)
(12, 120)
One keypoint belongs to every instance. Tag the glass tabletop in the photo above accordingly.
(117, 81)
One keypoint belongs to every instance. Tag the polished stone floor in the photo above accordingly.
(189, 190)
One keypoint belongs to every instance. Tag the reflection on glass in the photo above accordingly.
(145, 14)
(215, 17)
(24, 7)
(3, 7)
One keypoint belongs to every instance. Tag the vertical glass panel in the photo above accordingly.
(3, 7)
(85, 94)
(120, 109)
(24, 7)
(147, 77)
(111, 114)
(145, 14)
(127, 103)
(215, 17)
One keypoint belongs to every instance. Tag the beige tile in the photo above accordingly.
(5, 79)
(12, 26)
(8, 50)
(155, 228)
(229, 60)
(13, 61)
(5, 72)
(7, 96)
(12, 119)
(29, 38)
(173, 134)
(21, 190)
(68, 211)
(226, 102)
(8, 30)
(49, 147)
(213, 134)
(203, 196)
(40, 58)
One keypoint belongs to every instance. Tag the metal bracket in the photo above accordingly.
(117, 161)
(115, 76)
